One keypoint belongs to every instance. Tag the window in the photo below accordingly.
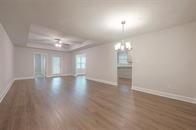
(80, 62)
(123, 58)
(56, 65)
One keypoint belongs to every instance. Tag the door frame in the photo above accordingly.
(45, 63)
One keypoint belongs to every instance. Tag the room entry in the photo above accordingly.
(124, 68)
(39, 65)
(80, 64)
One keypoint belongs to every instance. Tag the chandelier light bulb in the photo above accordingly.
(122, 47)
(128, 45)
(117, 46)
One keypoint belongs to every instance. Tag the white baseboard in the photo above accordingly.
(49, 76)
(165, 94)
(4, 92)
(78, 74)
(67, 75)
(22, 78)
(102, 81)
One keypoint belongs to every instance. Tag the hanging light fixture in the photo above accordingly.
(123, 45)
(58, 44)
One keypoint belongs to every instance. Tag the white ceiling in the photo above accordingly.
(85, 22)
(42, 37)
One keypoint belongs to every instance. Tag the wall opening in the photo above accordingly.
(124, 68)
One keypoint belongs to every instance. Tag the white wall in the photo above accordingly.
(6, 62)
(165, 61)
(101, 63)
(24, 65)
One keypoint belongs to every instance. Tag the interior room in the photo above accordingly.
(97, 65)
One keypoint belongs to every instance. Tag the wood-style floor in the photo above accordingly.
(69, 103)
(126, 83)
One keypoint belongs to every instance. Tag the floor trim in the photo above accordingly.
(49, 76)
(165, 94)
(22, 78)
(78, 74)
(102, 81)
(5, 91)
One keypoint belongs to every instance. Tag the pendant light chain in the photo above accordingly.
(123, 32)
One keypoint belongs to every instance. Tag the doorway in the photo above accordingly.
(124, 68)
(39, 65)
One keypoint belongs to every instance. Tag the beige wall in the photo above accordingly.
(101, 63)
(24, 65)
(165, 61)
(6, 62)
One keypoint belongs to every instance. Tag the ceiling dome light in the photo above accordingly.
(128, 45)
(117, 46)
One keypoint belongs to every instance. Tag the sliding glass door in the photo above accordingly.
(56, 65)
(39, 65)
(80, 64)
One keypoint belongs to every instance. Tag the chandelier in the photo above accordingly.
(123, 45)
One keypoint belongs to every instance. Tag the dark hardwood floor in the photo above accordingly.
(69, 103)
